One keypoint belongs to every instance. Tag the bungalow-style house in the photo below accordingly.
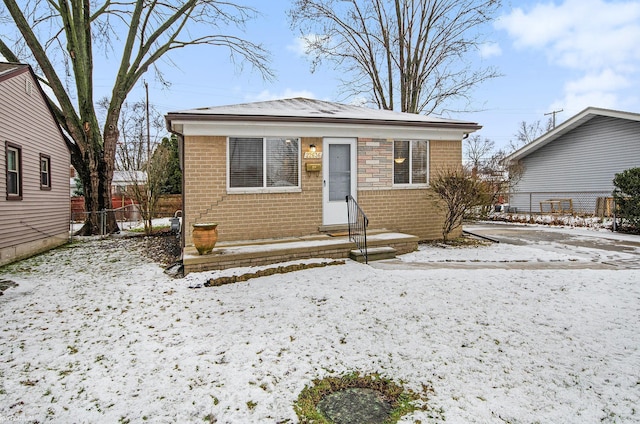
(571, 168)
(283, 168)
(35, 203)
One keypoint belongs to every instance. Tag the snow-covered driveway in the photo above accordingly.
(96, 333)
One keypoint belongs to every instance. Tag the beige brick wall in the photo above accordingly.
(444, 155)
(246, 216)
(259, 216)
(412, 211)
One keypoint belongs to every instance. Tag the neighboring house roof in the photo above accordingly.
(9, 70)
(122, 178)
(311, 111)
(569, 125)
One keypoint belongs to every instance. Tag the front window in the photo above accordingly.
(264, 163)
(45, 172)
(410, 162)
(14, 171)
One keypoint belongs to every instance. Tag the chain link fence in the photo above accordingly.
(128, 217)
(575, 203)
(574, 207)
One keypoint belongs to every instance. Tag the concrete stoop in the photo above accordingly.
(382, 244)
(374, 254)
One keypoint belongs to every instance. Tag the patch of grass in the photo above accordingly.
(403, 401)
(463, 241)
(155, 229)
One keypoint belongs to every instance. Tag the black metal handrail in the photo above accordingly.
(358, 223)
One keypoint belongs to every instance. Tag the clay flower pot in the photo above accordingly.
(205, 237)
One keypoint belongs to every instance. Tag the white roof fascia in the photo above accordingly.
(568, 125)
(283, 128)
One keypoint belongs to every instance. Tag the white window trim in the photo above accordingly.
(410, 185)
(254, 190)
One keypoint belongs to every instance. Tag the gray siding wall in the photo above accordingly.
(41, 215)
(583, 160)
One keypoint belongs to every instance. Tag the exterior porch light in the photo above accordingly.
(312, 148)
(399, 160)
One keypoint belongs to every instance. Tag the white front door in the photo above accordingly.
(339, 177)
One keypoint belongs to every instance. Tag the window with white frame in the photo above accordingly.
(14, 171)
(263, 163)
(45, 172)
(410, 162)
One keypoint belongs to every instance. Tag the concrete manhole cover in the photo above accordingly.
(355, 406)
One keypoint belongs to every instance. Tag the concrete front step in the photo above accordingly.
(374, 254)
(265, 252)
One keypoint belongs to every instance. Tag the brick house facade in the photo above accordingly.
(299, 208)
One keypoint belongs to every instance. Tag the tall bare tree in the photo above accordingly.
(411, 55)
(529, 131)
(477, 152)
(60, 36)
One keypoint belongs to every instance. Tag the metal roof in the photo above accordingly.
(311, 110)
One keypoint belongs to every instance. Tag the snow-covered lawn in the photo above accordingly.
(96, 333)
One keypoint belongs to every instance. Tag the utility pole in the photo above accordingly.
(554, 116)
(146, 87)
(149, 194)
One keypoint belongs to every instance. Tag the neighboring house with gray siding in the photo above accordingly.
(35, 203)
(577, 160)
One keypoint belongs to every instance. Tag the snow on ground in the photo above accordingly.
(96, 333)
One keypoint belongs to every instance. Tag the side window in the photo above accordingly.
(13, 154)
(45, 172)
(410, 162)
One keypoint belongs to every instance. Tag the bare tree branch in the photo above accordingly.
(61, 36)
(407, 54)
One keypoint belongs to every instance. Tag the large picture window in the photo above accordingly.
(14, 171)
(264, 163)
(410, 162)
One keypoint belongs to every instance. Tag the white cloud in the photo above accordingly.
(488, 50)
(300, 45)
(598, 39)
(607, 80)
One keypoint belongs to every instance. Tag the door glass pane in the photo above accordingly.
(339, 171)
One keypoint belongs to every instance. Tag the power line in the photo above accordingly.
(554, 115)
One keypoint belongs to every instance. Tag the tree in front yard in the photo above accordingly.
(460, 192)
(627, 196)
(63, 39)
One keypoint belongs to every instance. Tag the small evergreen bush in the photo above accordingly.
(627, 197)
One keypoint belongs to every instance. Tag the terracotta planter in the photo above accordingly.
(205, 237)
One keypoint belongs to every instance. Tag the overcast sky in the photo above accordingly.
(554, 55)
